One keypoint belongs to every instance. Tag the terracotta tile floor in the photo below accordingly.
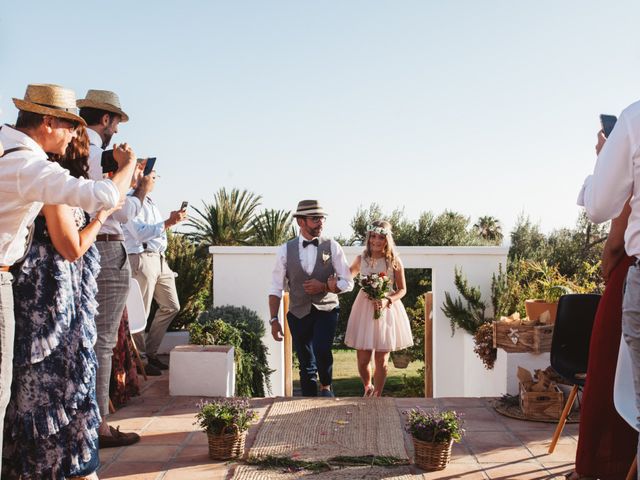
(172, 448)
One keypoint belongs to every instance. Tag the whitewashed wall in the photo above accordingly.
(242, 277)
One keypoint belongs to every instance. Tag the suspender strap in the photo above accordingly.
(11, 150)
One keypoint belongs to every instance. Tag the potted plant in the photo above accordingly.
(433, 435)
(225, 421)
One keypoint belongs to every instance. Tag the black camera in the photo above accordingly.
(108, 163)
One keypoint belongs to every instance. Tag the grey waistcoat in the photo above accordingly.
(299, 302)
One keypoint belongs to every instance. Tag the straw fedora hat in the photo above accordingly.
(309, 208)
(103, 100)
(47, 99)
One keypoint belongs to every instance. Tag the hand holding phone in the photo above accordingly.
(148, 168)
(607, 122)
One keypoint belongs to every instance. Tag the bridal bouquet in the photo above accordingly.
(376, 286)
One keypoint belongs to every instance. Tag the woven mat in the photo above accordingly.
(514, 411)
(315, 429)
(246, 472)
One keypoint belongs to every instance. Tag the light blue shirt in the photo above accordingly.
(147, 227)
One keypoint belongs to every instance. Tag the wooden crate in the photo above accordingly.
(517, 338)
(541, 405)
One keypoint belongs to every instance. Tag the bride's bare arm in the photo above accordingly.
(65, 237)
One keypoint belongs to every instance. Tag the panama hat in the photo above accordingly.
(103, 100)
(309, 208)
(53, 100)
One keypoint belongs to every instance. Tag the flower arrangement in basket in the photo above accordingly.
(433, 435)
(377, 286)
(225, 421)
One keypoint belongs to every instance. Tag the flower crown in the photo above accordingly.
(378, 230)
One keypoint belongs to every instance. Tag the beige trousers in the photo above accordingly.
(157, 282)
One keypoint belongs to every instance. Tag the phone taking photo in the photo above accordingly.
(607, 122)
(184, 205)
(148, 168)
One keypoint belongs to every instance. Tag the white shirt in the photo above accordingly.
(308, 260)
(28, 180)
(132, 205)
(147, 227)
(616, 177)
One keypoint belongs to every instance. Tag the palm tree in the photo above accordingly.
(227, 221)
(272, 227)
(489, 228)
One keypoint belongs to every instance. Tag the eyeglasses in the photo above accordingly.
(316, 219)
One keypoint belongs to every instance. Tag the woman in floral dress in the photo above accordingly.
(50, 429)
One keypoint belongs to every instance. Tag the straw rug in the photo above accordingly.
(245, 472)
(313, 429)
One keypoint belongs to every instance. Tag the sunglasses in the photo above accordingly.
(68, 124)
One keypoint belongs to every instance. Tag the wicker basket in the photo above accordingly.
(432, 456)
(227, 445)
(400, 360)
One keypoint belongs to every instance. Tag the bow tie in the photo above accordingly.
(309, 242)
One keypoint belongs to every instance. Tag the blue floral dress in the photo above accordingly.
(51, 424)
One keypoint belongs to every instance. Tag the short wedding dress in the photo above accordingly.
(388, 333)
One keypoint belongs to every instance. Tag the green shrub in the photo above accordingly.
(217, 417)
(193, 283)
(252, 367)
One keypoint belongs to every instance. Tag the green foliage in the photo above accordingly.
(272, 227)
(489, 228)
(527, 279)
(214, 332)
(217, 417)
(252, 368)
(413, 385)
(193, 283)
(434, 426)
(227, 221)
(469, 315)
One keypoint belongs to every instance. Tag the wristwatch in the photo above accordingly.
(273, 320)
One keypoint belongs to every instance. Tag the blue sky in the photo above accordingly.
(486, 108)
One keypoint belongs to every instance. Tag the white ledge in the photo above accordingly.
(500, 251)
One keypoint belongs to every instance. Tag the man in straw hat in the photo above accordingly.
(102, 112)
(304, 266)
(46, 123)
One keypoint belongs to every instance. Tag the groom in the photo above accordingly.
(304, 266)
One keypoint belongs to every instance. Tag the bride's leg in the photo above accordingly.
(380, 374)
(364, 368)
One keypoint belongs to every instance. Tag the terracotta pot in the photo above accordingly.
(537, 307)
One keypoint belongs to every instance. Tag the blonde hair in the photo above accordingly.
(382, 227)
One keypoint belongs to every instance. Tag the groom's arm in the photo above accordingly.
(342, 268)
(275, 293)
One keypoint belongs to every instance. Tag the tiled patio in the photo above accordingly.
(172, 447)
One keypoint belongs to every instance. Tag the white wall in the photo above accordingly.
(242, 277)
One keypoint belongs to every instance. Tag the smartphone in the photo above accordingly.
(607, 122)
(148, 168)
(184, 205)
(107, 162)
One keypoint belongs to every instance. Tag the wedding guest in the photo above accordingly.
(102, 112)
(51, 424)
(305, 264)
(47, 122)
(124, 378)
(146, 243)
(606, 442)
(616, 179)
(392, 331)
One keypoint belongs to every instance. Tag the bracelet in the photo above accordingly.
(102, 224)
(273, 320)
